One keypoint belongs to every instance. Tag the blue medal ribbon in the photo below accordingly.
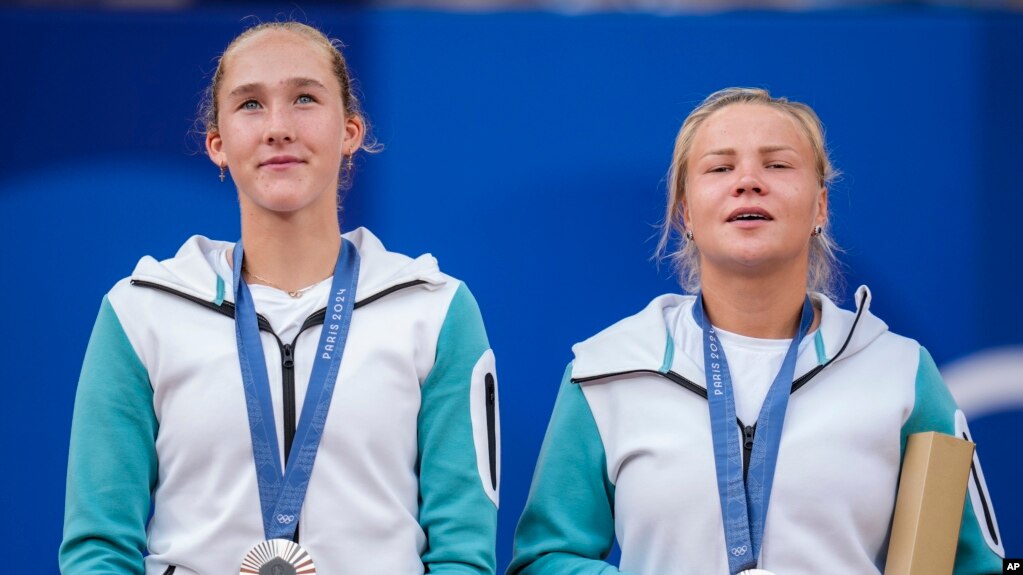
(282, 492)
(744, 503)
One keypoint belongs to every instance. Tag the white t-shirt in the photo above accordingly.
(753, 364)
(285, 313)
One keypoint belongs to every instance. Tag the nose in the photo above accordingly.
(279, 127)
(748, 183)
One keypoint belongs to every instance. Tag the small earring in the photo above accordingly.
(689, 235)
(222, 169)
(351, 161)
(817, 230)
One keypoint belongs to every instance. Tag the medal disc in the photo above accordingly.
(277, 557)
(755, 572)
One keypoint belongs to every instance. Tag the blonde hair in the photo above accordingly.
(823, 274)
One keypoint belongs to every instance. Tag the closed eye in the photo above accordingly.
(778, 165)
(720, 169)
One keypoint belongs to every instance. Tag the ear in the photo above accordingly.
(685, 213)
(822, 208)
(355, 132)
(215, 149)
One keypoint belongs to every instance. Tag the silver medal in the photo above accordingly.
(277, 557)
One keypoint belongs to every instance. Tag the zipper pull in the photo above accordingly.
(747, 437)
(288, 356)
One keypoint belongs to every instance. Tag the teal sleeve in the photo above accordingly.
(458, 517)
(112, 460)
(567, 526)
(935, 410)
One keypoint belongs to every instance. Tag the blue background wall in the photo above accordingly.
(527, 152)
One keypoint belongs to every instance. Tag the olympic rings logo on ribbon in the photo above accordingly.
(285, 519)
(737, 551)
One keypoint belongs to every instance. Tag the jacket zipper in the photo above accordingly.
(288, 363)
(491, 429)
(170, 570)
(288, 381)
(290, 406)
(748, 433)
(288, 396)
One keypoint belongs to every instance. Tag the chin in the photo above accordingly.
(767, 259)
(749, 260)
(289, 200)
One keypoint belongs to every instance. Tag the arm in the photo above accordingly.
(458, 457)
(112, 461)
(980, 548)
(568, 523)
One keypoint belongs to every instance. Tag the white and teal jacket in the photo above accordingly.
(628, 454)
(406, 477)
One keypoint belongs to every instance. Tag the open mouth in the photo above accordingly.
(749, 215)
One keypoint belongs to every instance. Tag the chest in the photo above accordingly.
(199, 397)
(836, 474)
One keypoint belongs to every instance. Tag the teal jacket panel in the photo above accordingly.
(112, 466)
(978, 552)
(457, 513)
(568, 523)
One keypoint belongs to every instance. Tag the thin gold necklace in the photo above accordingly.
(294, 294)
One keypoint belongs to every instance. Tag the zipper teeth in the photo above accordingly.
(749, 433)
(491, 431)
(288, 397)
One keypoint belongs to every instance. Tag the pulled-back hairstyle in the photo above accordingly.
(823, 275)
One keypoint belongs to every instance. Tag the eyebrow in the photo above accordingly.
(762, 150)
(293, 82)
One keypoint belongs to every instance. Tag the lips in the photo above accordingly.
(280, 161)
(749, 214)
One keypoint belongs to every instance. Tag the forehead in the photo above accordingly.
(753, 124)
(273, 56)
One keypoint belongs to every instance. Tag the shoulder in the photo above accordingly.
(382, 271)
(191, 272)
(859, 333)
(414, 291)
(640, 342)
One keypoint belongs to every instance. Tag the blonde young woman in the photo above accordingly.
(754, 427)
(300, 401)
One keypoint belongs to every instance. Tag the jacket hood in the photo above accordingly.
(643, 342)
(190, 272)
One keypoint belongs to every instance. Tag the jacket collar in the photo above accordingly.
(190, 272)
(644, 342)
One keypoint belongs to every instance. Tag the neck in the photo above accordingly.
(290, 251)
(766, 307)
